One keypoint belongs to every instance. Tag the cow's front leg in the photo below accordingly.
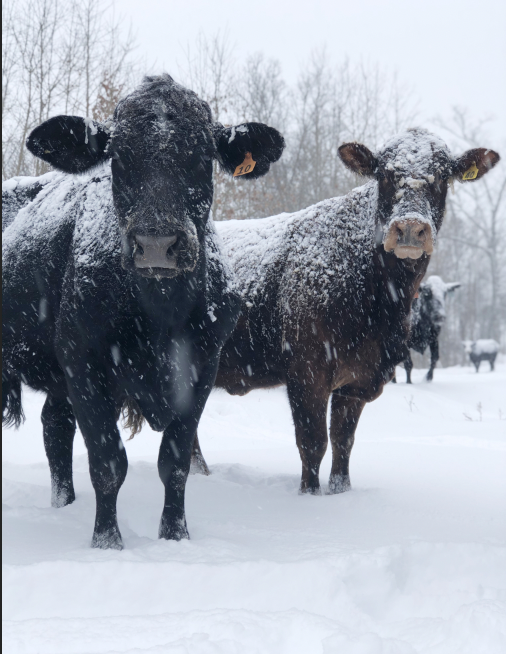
(309, 411)
(95, 410)
(344, 417)
(176, 451)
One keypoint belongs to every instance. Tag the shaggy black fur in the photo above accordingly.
(82, 324)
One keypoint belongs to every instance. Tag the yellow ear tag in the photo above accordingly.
(471, 173)
(246, 167)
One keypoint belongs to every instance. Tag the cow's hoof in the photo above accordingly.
(173, 530)
(107, 540)
(198, 466)
(62, 496)
(310, 490)
(339, 484)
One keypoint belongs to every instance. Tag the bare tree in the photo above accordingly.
(59, 57)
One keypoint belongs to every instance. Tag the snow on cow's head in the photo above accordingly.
(162, 141)
(413, 171)
(433, 293)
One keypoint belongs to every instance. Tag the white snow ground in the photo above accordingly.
(413, 559)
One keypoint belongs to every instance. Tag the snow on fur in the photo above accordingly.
(411, 157)
(325, 248)
(482, 346)
(86, 200)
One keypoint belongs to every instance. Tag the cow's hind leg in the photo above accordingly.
(198, 463)
(59, 426)
(408, 365)
(434, 357)
(345, 414)
(309, 411)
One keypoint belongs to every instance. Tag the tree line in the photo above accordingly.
(80, 58)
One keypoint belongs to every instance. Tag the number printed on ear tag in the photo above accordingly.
(471, 173)
(246, 167)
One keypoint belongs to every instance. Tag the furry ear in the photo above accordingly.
(233, 143)
(358, 158)
(474, 163)
(70, 143)
(452, 286)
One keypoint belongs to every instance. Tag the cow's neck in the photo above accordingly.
(396, 283)
(168, 302)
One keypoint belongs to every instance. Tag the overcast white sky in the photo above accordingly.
(452, 52)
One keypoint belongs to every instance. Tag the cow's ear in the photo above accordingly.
(451, 286)
(253, 144)
(70, 143)
(474, 163)
(358, 158)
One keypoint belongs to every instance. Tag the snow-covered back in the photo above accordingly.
(83, 200)
(482, 346)
(319, 252)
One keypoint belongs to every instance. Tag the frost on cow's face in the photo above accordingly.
(413, 171)
(162, 149)
(162, 142)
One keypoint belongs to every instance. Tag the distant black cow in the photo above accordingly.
(327, 291)
(484, 349)
(114, 290)
(427, 318)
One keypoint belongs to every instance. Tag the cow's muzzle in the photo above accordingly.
(155, 251)
(409, 238)
(161, 256)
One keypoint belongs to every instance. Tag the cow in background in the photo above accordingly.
(427, 318)
(484, 349)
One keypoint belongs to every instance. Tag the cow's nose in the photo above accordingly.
(409, 238)
(155, 251)
(411, 233)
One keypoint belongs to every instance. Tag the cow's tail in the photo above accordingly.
(132, 416)
(12, 409)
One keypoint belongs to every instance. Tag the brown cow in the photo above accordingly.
(326, 292)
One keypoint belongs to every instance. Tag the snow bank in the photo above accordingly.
(412, 560)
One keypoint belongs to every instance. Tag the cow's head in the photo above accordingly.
(432, 294)
(413, 171)
(162, 141)
(468, 346)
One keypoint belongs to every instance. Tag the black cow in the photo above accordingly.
(427, 317)
(484, 349)
(114, 290)
(327, 291)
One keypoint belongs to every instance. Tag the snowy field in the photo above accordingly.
(413, 559)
